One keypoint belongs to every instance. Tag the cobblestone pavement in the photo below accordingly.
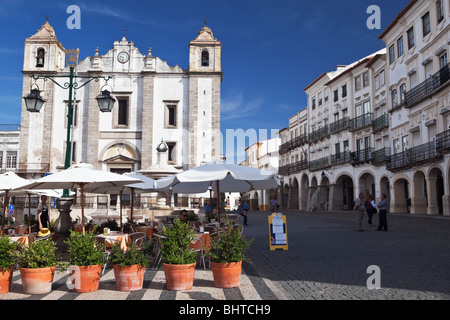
(327, 259)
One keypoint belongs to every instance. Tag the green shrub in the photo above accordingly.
(131, 256)
(8, 254)
(84, 250)
(38, 254)
(175, 244)
(111, 224)
(229, 245)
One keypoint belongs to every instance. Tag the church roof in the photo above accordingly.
(205, 35)
(45, 32)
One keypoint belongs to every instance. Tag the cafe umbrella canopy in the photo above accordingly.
(81, 176)
(146, 186)
(222, 177)
(9, 181)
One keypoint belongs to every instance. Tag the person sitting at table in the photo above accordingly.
(184, 215)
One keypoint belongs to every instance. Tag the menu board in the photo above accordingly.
(278, 232)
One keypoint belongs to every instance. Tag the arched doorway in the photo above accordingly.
(285, 197)
(435, 191)
(401, 196)
(304, 182)
(293, 199)
(367, 184)
(253, 202)
(419, 201)
(343, 193)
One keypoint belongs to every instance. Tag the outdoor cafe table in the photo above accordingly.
(201, 240)
(115, 236)
(149, 231)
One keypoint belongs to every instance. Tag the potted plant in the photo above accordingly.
(37, 263)
(178, 258)
(129, 265)
(7, 262)
(86, 257)
(226, 255)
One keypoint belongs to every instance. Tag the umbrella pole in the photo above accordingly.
(218, 201)
(82, 208)
(29, 214)
(5, 207)
(120, 211)
(132, 203)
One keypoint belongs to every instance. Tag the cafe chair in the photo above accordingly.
(197, 246)
(137, 238)
(157, 250)
(106, 250)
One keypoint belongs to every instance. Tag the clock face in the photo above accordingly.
(123, 57)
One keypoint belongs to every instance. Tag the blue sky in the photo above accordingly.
(271, 49)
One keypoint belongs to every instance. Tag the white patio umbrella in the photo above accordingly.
(147, 185)
(45, 192)
(222, 177)
(9, 181)
(81, 175)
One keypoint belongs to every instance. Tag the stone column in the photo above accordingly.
(418, 205)
(446, 204)
(147, 119)
(93, 126)
(432, 207)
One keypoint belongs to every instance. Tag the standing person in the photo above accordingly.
(240, 211)
(273, 203)
(382, 208)
(245, 213)
(360, 210)
(43, 213)
(369, 209)
(208, 211)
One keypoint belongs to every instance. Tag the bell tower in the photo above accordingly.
(205, 78)
(43, 51)
(205, 52)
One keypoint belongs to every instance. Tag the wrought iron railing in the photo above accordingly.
(340, 158)
(380, 156)
(417, 155)
(426, 88)
(443, 140)
(339, 125)
(319, 134)
(319, 164)
(360, 122)
(380, 123)
(293, 167)
(360, 156)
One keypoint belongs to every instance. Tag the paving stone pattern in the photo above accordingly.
(327, 259)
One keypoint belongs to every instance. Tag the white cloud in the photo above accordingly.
(235, 107)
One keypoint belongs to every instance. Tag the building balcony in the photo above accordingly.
(360, 122)
(339, 125)
(380, 123)
(340, 158)
(361, 156)
(428, 87)
(320, 164)
(292, 168)
(381, 156)
(284, 148)
(443, 141)
(319, 134)
(298, 141)
(424, 153)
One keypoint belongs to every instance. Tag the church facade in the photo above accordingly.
(154, 102)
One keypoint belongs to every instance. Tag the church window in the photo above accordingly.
(123, 112)
(40, 59)
(170, 114)
(205, 58)
(171, 152)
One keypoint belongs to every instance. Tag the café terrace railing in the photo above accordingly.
(427, 87)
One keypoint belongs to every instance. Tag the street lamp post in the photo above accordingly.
(34, 101)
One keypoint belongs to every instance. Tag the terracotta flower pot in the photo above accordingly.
(87, 279)
(179, 276)
(5, 280)
(37, 280)
(226, 275)
(129, 278)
